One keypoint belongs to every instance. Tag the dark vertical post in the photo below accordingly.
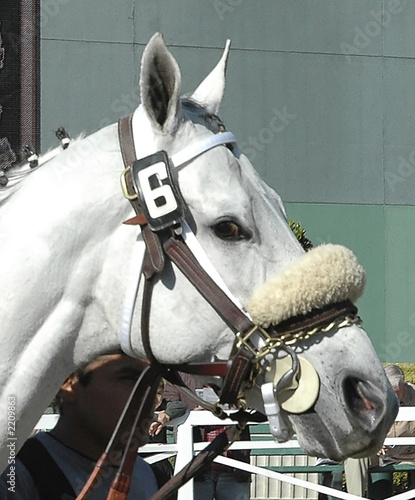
(20, 73)
(30, 73)
(10, 73)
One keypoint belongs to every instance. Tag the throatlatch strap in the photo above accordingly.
(51, 483)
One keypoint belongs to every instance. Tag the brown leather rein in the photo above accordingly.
(238, 373)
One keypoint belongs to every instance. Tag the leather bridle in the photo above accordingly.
(252, 342)
(168, 238)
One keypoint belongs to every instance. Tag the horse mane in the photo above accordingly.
(14, 177)
(17, 173)
(199, 114)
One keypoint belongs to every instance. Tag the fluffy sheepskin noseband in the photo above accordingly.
(325, 275)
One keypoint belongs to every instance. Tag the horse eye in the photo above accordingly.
(228, 230)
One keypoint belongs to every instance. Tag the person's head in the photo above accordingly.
(92, 400)
(160, 391)
(396, 378)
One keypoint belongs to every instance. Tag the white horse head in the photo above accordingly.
(66, 258)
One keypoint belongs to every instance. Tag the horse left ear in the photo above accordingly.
(210, 92)
(160, 84)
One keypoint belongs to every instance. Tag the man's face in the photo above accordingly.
(97, 405)
(400, 391)
(159, 396)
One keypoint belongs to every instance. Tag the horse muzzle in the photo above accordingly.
(359, 430)
(348, 408)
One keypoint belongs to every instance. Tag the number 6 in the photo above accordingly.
(160, 200)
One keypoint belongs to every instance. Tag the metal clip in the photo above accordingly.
(278, 428)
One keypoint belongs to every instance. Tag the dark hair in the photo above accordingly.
(84, 376)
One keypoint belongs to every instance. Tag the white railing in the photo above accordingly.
(185, 448)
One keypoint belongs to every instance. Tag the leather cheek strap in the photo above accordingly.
(240, 363)
(154, 261)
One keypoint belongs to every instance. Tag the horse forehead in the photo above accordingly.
(215, 179)
(220, 180)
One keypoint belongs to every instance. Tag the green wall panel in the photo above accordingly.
(326, 138)
(81, 20)
(93, 91)
(400, 283)
(360, 228)
(266, 25)
(383, 240)
(399, 131)
(399, 33)
(263, 25)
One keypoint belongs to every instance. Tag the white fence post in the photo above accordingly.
(184, 455)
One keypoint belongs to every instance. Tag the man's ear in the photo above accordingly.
(69, 389)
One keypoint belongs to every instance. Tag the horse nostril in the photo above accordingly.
(356, 400)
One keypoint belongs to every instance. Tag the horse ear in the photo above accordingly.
(160, 84)
(210, 92)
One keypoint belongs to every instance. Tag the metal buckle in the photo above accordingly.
(242, 340)
(124, 187)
